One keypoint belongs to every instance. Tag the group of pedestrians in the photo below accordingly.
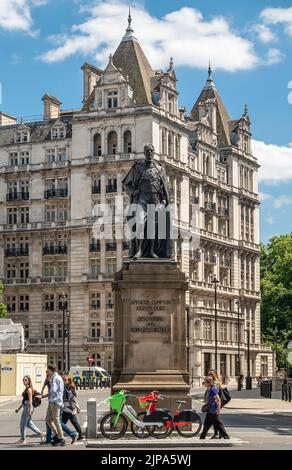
(62, 407)
(212, 407)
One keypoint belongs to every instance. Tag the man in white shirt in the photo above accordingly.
(55, 398)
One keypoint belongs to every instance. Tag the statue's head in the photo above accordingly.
(148, 152)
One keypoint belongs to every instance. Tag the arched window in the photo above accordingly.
(96, 360)
(112, 143)
(97, 145)
(127, 142)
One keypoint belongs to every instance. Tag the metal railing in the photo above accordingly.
(55, 250)
(49, 193)
(17, 196)
(16, 251)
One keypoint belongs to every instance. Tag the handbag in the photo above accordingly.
(225, 396)
(205, 408)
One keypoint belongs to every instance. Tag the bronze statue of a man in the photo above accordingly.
(146, 184)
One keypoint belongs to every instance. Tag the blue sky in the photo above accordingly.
(43, 43)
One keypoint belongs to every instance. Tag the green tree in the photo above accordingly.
(2, 306)
(276, 290)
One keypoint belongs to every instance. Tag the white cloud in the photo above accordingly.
(265, 197)
(274, 56)
(278, 15)
(184, 34)
(15, 15)
(275, 161)
(264, 33)
(282, 201)
(270, 220)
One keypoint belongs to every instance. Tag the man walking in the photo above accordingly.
(55, 398)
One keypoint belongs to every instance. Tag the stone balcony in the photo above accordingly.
(91, 160)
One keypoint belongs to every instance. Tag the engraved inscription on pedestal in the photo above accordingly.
(150, 330)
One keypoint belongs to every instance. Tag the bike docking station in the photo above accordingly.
(150, 335)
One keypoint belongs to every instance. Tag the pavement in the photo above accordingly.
(253, 422)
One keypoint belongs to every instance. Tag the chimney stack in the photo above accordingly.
(51, 107)
(91, 75)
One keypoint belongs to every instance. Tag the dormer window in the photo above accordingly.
(21, 137)
(170, 104)
(112, 99)
(58, 133)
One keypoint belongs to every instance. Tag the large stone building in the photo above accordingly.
(56, 169)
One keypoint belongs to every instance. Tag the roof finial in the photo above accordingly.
(245, 112)
(110, 59)
(209, 71)
(129, 31)
(170, 63)
(129, 18)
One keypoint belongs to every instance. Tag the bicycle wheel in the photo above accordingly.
(139, 432)
(160, 432)
(108, 430)
(190, 429)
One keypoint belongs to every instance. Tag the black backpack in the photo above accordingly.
(225, 396)
(36, 400)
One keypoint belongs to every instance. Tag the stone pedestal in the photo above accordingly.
(150, 336)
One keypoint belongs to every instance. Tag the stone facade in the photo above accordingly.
(55, 170)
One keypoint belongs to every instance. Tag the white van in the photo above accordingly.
(86, 371)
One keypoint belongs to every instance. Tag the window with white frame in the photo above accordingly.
(95, 300)
(24, 215)
(24, 303)
(223, 331)
(111, 265)
(110, 330)
(207, 329)
(58, 132)
(23, 270)
(48, 302)
(95, 329)
(112, 99)
(21, 136)
(11, 270)
(13, 159)
(49, 330)
(10, 301)
(50, 155)
(12, 215)
(95, 267)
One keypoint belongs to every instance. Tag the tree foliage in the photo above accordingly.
(276, 290)
(2, 306)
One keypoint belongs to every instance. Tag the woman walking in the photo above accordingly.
(212, 410)
(213, 374)
(27, 411)
(71, 407)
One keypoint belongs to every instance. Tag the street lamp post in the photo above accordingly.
(248, 377)
(238, 345)
(63, 302)
(68, 341)
(188, 336)
(215, 282)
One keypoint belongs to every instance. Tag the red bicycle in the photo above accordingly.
(187, 423)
